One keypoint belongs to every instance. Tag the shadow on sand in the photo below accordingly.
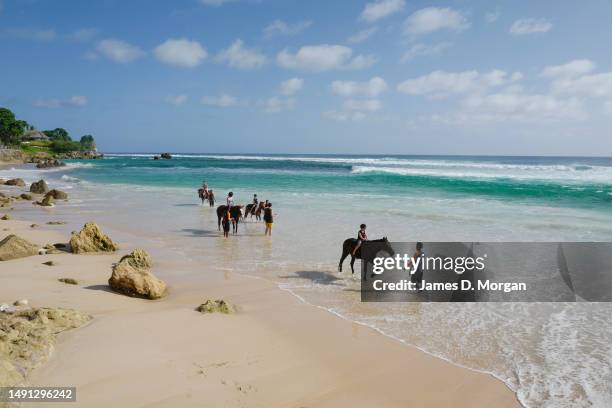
(193, 232)
(322, 278)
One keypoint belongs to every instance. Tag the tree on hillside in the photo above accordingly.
(58, 134)
(11, 129)
(88, 143)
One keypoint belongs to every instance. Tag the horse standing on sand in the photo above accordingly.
(235, 213)
(347, 248)
(251, 210)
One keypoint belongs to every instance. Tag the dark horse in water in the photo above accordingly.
(252, 210)
(235, 212)
(348, 246)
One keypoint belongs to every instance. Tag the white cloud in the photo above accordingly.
(371, 88)
(119, 51)
(421, 49)
(215, 3)
(430, 19)
(181, 52)
(362, 35)
(363, 105)
(380, 9)
(319, 58)
(523, 107)
(221, 101)
(440, 84)
(72, 102)
(279, 27)
(82, 35)
(594, 85)
(344, 116)
(238, 56)
(275, 105)
(569, 70)
(492, 16)
(176, 100)
(530, 26)
(291, 86)
(32, 34)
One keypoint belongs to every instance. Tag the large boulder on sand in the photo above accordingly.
(91, 239)
(132, 277)
(47, 201)
(27, 339)
(57, 194)
(15, 182)
(39, 187)
(13, 247)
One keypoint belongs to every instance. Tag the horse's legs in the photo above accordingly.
(342, 258)
(352, 263)
(219, 223)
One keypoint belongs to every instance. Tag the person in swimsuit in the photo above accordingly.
(417, 276)
(268, 219)
(361, 236)
(226, 224)
(211, 198)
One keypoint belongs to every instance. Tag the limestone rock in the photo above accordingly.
(13, 247)
(215, 306)
(57, 194)
(5, 217)
(21, 302)
(15, 182)
(132, 277)
(26, 196)
(47, 201)
(69, 281)
(91, 239)
(27, 339)
(39, 187)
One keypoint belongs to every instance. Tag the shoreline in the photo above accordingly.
(484, 389)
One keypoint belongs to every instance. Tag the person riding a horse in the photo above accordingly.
(361, 236)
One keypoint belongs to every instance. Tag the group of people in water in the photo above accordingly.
(255, 208)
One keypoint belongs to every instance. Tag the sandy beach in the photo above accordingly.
(274, 351)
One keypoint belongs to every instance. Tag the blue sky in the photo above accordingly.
(385, 76)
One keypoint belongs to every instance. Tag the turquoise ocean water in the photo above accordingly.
(551, 355)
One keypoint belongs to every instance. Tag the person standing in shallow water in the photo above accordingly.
(211, 198)
(268, 219)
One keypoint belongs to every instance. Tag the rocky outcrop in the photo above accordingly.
(132, 277)
(13, 247)
(5, 217)
(47, 201)
(39, 187)
(166, 156)
(91, 239)
(15, 182)
(215, 306)
(26, 196)
(27, 338)
(57, 194)
(69, 281)
(80, 155)
(48, 163)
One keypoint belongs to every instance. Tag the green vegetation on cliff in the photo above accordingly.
(19, 134)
